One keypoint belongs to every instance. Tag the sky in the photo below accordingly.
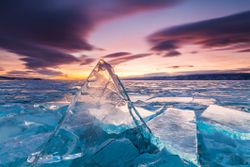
(64, 39)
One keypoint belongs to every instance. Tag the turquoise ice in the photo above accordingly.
(231, 122)
(101, 108)
(175, 130)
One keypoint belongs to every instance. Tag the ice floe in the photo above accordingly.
(231, 122)
(175, 130)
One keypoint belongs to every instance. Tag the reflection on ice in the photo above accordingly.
(175, 130)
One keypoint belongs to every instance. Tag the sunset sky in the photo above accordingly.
(64, 39)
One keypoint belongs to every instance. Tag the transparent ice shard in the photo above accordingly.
(101, 108)
(230, 122)
(175, 130)
(104, 98)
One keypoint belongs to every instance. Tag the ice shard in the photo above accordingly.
(101, 108)
(230, 122)
(224, 137)
(175, 130)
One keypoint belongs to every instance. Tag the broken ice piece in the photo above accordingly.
(231, 122)
(176, 131)
(104, 99)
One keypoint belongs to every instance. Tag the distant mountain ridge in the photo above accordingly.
(17, 78)
(217, 76)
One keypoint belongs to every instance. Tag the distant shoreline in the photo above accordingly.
(225, 76)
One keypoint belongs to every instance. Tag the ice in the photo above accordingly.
(101, 108)
(198, 100)
(10, 110)
(218, 149)
(224, 137)
(23, 134)
(161, 159)
(31, 107)
(104, 98)
(135, 98)
(115, 152)
(8, 131)
(50, 159)
(231, 122)
(19, 148)
(175, 130)
(26, 124)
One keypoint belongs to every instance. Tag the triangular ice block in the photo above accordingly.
(104, 98)
(101, 110)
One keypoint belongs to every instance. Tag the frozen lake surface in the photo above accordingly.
(201, 122)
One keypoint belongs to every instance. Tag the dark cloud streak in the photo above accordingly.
(120, 60)
(85, 60)
(165, 45)
(34, 55)
(49, 72)
(228, 33)
(175, 67)
(172, 53)
(17, 73)
(29, 73)
(44, 32)
(117, 54)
